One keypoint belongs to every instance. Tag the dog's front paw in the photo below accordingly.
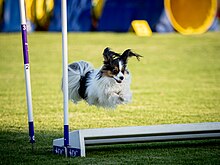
(126, 98)
(121, 99)
(116, 99)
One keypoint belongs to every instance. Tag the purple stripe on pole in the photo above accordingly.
(25, 43)
(66, 135)
(31, 131)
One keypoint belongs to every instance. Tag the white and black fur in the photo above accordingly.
(106, 87)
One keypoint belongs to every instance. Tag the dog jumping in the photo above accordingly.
(106, 87)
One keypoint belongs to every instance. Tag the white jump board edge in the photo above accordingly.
(138, 134)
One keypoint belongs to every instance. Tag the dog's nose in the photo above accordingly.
(121, 77)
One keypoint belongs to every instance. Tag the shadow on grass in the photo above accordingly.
(16, 149)
(181, 152)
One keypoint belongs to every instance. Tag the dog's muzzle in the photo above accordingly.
(118, 80)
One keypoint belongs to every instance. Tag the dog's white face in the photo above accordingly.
(116, 70)
(115, 65)
(119, 71)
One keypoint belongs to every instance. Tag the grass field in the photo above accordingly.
(177, 81)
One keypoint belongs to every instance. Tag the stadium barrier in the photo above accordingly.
(195, 17)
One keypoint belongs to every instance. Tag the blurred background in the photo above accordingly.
(194, 16)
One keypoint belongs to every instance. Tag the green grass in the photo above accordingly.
(177, 81)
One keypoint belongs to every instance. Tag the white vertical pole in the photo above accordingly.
(65, 71)
(27, 71)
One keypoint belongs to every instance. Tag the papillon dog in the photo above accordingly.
(105, 87)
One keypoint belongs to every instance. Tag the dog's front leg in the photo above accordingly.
(126, 96)
(114, 99)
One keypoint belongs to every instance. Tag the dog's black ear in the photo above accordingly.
(109, 55)
(128, 53)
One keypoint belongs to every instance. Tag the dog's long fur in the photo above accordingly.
(106, 87)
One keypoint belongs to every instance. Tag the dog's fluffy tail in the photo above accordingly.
(76, 71)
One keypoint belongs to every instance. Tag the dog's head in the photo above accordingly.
(115, 65)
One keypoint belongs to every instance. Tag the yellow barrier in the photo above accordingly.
(191, 16)
(141, 28)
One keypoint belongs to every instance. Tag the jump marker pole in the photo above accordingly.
(65, 73)
(27, 72)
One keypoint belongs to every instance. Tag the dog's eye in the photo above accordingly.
(123, 70)
(114, 71)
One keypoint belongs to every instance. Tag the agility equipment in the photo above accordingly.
(122, 135)
(191, 17)
(65, 74)
(141, 28)
(73, 144)
(27, 72)
(79, 16)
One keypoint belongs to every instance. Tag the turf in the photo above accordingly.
(177, 81)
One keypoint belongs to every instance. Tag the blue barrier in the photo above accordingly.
(117, 15)
(11, 16)
(78, 12)
(78, 16)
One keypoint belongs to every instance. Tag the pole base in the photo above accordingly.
(70, 152)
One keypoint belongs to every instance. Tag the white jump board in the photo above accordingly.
(167, 132)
